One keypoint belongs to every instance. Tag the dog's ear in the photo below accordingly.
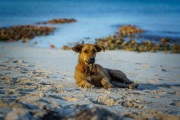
(99, 48)
(77, 48)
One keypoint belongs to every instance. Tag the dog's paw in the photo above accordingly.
(133, 86)
(108, 86)
(88, 85)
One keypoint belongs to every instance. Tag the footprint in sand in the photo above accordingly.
(104, 100)
(132, 103)
(176, 103)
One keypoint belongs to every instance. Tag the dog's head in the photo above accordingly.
(87, 52)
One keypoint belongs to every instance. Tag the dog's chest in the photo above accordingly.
(95, 79)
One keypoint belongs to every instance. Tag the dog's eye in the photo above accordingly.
(85, 51)
(93, 51)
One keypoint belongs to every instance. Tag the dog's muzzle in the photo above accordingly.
(91, 61)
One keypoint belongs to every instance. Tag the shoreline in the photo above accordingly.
(38, 83)
(127, 37)
(50, 27)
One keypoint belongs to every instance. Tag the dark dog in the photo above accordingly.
(88, 74)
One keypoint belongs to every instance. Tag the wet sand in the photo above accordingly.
(38, 83)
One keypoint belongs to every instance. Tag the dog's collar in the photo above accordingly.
(86, 69)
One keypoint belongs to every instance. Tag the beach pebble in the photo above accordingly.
(164, 70)
(51, 46)
(14, 61)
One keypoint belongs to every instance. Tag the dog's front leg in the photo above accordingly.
(106, 84)
(86, 85)
(83, 83)
(82, 80)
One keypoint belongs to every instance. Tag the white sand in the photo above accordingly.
(34, 81)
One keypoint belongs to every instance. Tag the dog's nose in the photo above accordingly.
(92, 60)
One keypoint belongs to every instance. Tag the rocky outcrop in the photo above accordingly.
(23, 32)
(58, 21)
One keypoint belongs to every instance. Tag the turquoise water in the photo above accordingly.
(96, 18)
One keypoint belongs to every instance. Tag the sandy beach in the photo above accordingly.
(141, 37)
(38, 83)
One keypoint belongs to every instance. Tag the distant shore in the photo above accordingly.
(127, 37)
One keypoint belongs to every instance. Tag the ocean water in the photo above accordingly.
(95, 18)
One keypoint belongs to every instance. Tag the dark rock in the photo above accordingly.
(51, 115)
(128, 30)
(58, 21)
(66, 47)
(51, 46)
(164, 70)
(23, 32)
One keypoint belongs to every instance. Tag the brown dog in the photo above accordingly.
(88, 74)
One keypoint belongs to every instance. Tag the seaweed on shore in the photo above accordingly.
(23, 32)
(125, 39)
(116, 42)
(58, 21)
(131, 32)
(27, 32)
